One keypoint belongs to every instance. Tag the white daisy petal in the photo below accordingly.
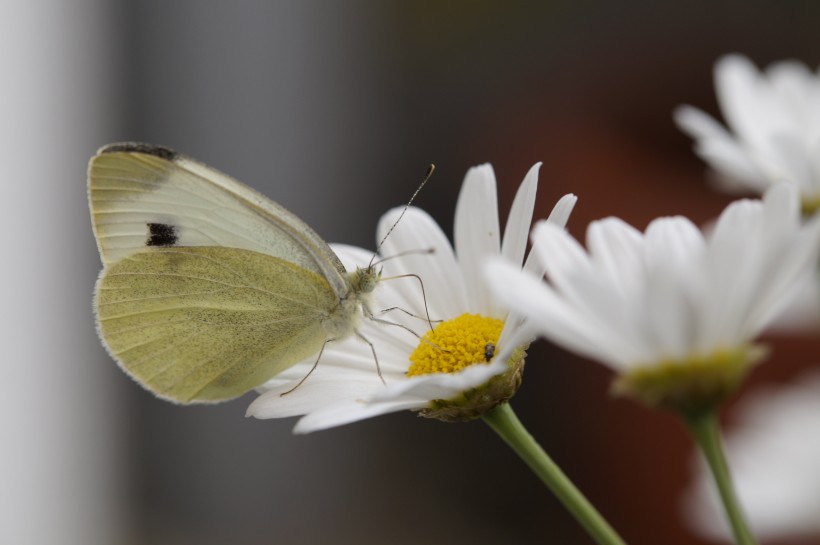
(310, 396)
(549, 314)
(729, 251)
(791, 272)
(517, 334)
(442, 385)
(476, 232)
(790, 79)
(781, 205)
(349, 411)
(671, 319)
(674, 241)
(562, 209)
(801, 315)
(344, 371)
(699, 124)
(794, 163)
(716, 146)
(416, 232)
(562, 256)
(674, 254)
(559, 216)
(514, 244)
(582, 285)
(619, 272)
(616, 248)
(742, 99)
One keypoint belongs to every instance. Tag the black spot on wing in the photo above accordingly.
(161, 234)
(138, 147)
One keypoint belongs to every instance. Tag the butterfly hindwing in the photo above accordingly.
(209, 323)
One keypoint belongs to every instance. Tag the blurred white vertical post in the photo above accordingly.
(58, 454)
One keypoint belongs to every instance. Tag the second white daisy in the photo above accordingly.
(673, 312)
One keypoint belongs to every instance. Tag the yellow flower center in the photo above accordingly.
(456, 344)
(693, 385)
(810, 205)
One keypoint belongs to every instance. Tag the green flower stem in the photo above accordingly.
(706, 432)
(503, 421)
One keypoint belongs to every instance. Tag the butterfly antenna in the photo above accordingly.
(421, 251)
(427, 175)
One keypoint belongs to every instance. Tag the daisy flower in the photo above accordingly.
(473, 358)
(774, 452)
(774, 119)
(672, 311)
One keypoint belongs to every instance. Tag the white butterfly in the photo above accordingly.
(208, 287)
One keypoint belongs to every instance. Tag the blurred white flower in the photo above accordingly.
(672, 311)
(774, 119)
(774, 452)
(471, 325)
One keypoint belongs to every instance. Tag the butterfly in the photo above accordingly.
(209, 288)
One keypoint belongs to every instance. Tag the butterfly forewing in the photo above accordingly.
(149, 196)
(210, 323)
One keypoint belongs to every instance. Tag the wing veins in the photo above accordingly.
(235, 272)
(204, 307)
(156, 297)
(143, 326)
(154, 355)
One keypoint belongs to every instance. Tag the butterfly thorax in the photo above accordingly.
(354, 304)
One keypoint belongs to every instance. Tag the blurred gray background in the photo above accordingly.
(334, 110)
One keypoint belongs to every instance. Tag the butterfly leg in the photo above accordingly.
(427, 319)
(416, 335)
(312, 369)
(375, 357)
(423, 293)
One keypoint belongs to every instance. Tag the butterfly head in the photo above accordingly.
(367, 278)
